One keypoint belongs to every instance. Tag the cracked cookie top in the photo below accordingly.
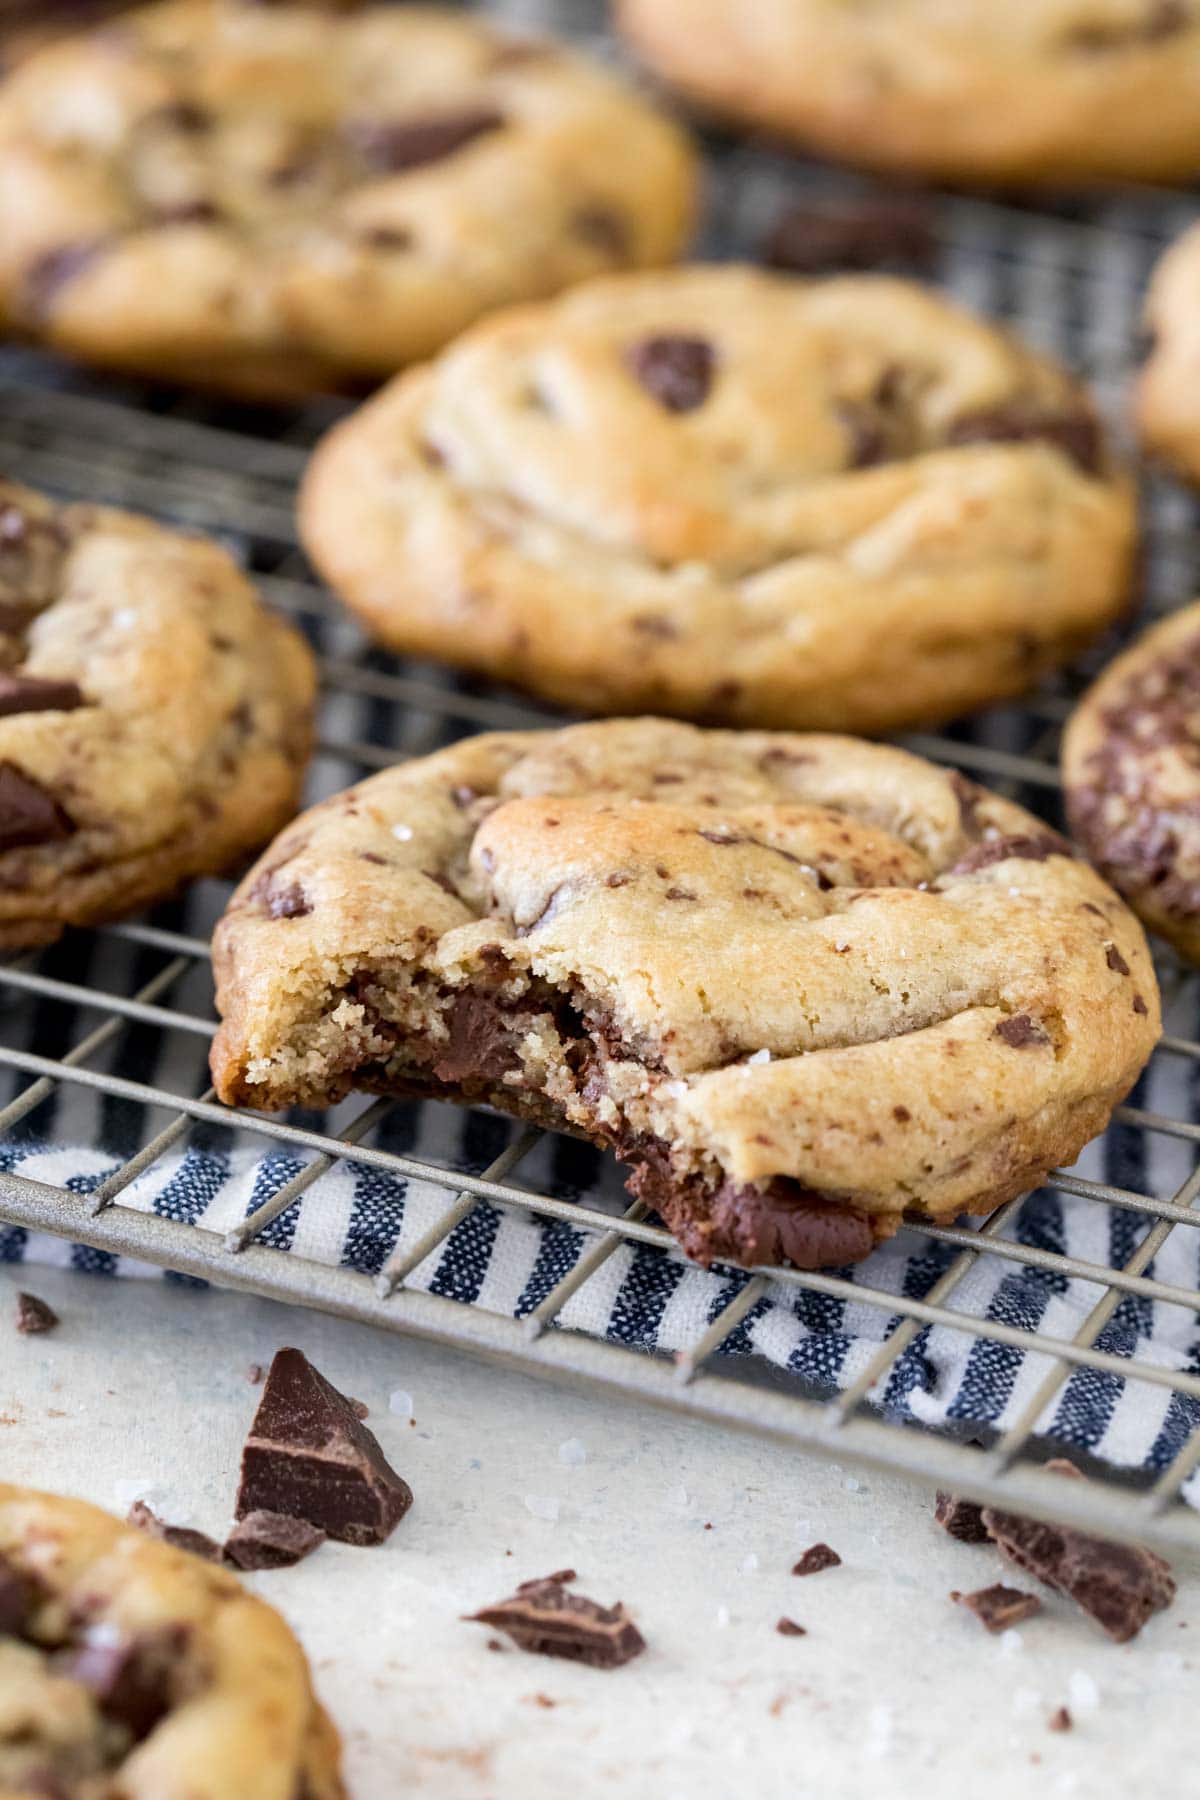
(154, 717)
(1045, 91)
(747, 956)
(718, 492)
(129, 1667)
(280, 197)
(1131, 764)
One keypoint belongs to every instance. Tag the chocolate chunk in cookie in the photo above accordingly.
(678, 370)
(395, 144)
(29, 815)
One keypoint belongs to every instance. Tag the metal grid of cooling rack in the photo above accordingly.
(75, 1021)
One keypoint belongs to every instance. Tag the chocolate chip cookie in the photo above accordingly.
(1168, 393)
(281, 198)
(1132, 772)
(731, 495)
(802, 986)
(1043, 91)
(155, 719)
(132, 1669)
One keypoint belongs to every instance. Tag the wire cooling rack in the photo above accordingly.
(103, 1038)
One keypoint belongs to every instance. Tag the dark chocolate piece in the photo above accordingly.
(789, 1628)
(288, 902)
(34, 694)
(858, 234)
(135, 1682)
(963, 1519)
(605, 229)
(1115, 960)
(1118, 1585)
(544, 1618)
(180, 1537)
(560, 1578)
(29, 814)
(1021, 1032)
(393, 145)
(17, 1596)
(677, 371)
(271, 1540)
(816, 1558)
(480, 1046)
(1059, 1720)
(1028, 848)
(33, 1315)
(307, 1455)
(1074, 431)
(1163, 19)
(998, 1608)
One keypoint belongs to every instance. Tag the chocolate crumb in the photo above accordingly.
(963, 1519)
(309, 1456)
(180, 1537)
(789, 1628)
(255, 1373)
(1059, 1720)
(816, 1558)
(494, 1644)
(543, 1618)
(271, 1540)
(810, 240)
(543, 1700)
(999, 1608)
(33, 1315)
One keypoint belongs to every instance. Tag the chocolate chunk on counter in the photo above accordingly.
(963, 1519)
(34, 694)
(999, 1608)
(33, 1315)
(1118, 1585)
(789, 1628)
(180, 1537)
(1059, 1720)
(859, 234)
(29, 814)
(816, 1558)
(542, 1617)
(309, 1456)
(677, 371)
(271, 1540)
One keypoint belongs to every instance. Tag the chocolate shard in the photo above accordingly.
(271, 1540)
(33, 1315)
(29, 814)
(391, 146)
(963, 1519)
(677, 371)
(999, 1608)
(816, 1558)
(789, 1628)
(180, 1537)
(310, 1457)
(1059, 1720)
(34, 694)
(863, 234)
(542, 1617)
(1118, 1585)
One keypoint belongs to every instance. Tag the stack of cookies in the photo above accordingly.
(802, 985)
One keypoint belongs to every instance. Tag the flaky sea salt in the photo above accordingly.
(1082, 1691)
(678, 1496)
(852, 1484)
(403, 832)
(543, 1506)
(400, 1403)
(749, 1563)
(722, 1616)
(879, 1731)
(1011, 1643)
(760, 1056)
(572, 1451)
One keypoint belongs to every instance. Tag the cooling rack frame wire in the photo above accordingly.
(227, 470)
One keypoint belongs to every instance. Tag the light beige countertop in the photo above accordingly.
(894, 1692)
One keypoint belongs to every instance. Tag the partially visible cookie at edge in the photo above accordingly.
(277, 199)
(801, 986)
(1167, 400)
(732, 496)
(155, 718)
(131, 1667)
(1044, 91)
(1131, 770)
